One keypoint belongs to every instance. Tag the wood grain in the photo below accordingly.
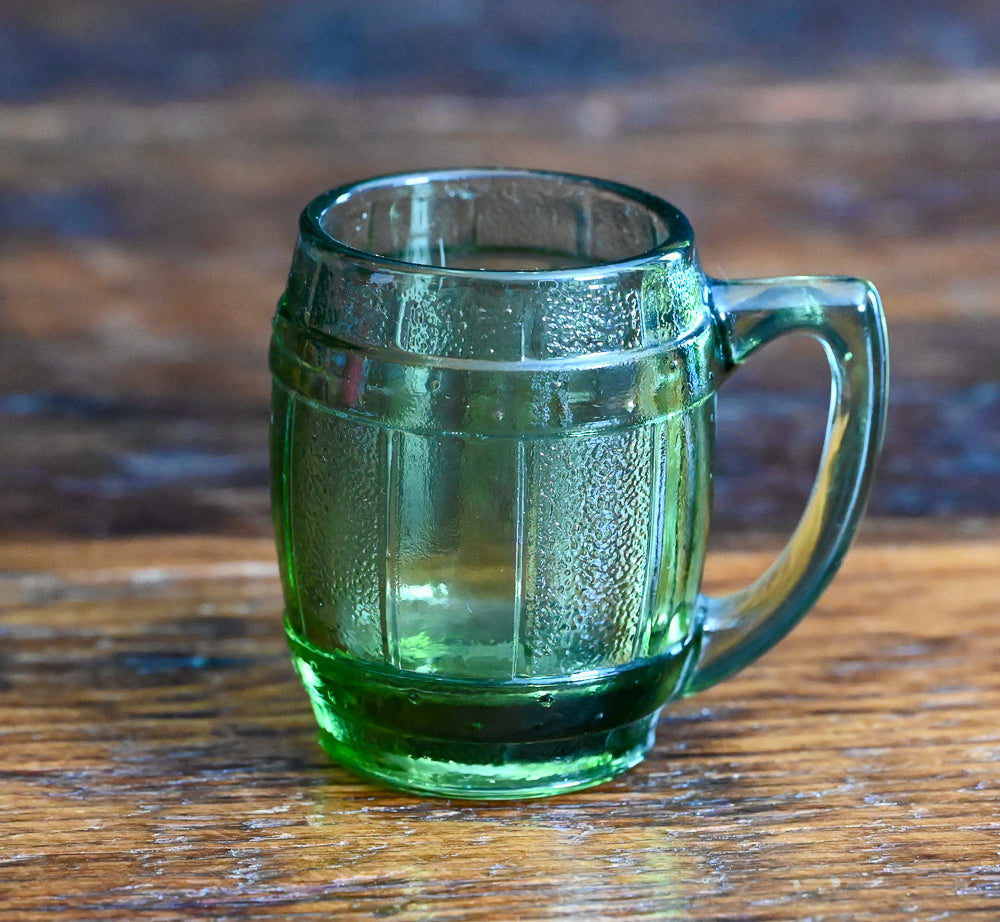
(159, 762)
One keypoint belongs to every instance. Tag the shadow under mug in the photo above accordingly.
(492, 443)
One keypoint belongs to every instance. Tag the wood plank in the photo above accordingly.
(159, 761)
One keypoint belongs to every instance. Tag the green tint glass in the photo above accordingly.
(491, 446)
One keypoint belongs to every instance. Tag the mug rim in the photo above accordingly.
(680, 236)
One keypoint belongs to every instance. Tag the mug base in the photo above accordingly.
(527, 770)
(456, 737)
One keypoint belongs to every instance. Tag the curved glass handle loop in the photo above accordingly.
(846, 316)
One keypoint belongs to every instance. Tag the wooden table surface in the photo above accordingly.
(158, 757)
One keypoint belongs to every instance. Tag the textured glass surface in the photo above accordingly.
(587, 546)
(336, 510)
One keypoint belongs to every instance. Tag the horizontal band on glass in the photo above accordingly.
(420, 394)
(526, 317)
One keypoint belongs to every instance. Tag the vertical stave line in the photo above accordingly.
(519, 664)
(389, 589)
(654, 539)
(288, 518)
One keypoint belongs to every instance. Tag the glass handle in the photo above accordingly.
(846, 316)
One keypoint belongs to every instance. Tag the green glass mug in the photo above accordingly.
(492, 443)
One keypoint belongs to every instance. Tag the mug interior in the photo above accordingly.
(500, 220)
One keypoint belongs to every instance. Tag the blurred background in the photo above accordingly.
(154, 157)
